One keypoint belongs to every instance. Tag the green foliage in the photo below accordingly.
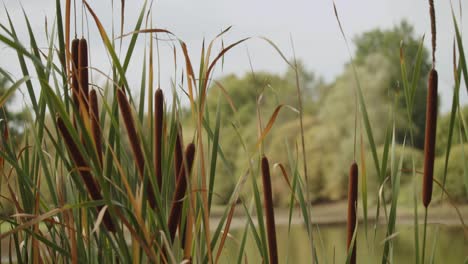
(60, 218)
(443, 130)
(455, 184)
(263, 91)
(329, 112)
(410, 155)
(387, 43)
(16, 120)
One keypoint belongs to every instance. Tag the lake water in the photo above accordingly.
(451, 245)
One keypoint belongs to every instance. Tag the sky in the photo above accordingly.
(311, 25)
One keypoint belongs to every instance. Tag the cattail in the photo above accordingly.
(126, 112)
(181, 187)
(91, 185)
(178, 153)
(158, 130)
(75, 74)
(430, 137)
(95, 127)
(83, 71)
(270, 216)
(3, 142)
(352, 208)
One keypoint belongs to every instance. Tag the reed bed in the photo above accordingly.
(131, 194)
(92, 186)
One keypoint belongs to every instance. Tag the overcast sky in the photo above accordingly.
(312, 25)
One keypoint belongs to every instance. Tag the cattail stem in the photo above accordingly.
(95, 126)
(91, 185)
(158, 115)
(433, 29)
(430, 137)
(269, 213)
(352, 208)
(181, 188)
(126, 112)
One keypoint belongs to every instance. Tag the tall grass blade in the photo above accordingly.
(9, 91)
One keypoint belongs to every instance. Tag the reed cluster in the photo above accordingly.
(83, 168)
(150, 197)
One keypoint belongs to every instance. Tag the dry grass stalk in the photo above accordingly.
(158, 115)
(352, 208)
(126, 112)
(95, 126)
(430, 137)
(269, 213)
(91, 185)
(181, 188)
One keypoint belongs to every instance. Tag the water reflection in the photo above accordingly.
(450, 245)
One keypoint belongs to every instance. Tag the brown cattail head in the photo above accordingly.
(430, 137)
(83, 71)
(269, 213)
(158, 130)
(91, 185)
(352, 208)
(181, 187)
(3, 141)
(74, 72)
(178, 153)
(126, 112)
(95, 126)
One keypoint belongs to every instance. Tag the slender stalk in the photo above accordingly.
(424, 236)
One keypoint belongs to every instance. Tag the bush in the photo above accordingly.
(456, 184)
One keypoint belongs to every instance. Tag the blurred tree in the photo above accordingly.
(443, 126)
(264, 91)
(387, 43)
(334, 136)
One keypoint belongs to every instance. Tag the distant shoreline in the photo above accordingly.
(335, 214)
